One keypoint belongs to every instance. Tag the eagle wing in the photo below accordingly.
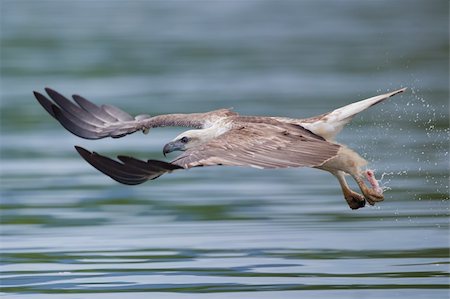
(87, 120)
(261, 145)
(128, 171)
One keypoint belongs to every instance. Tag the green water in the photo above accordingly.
(67, 231)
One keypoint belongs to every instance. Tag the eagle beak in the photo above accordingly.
(172, 146)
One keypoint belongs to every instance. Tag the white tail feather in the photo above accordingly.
(330, 124)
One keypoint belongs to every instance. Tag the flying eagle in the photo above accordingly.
(223, 137)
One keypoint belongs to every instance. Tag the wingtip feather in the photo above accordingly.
(45, 103)
(398, 91)
(82, 151)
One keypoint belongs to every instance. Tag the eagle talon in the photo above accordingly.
(372, 196)
(355, 200)
(370, 175)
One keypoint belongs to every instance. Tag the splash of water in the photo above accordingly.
(414, 129)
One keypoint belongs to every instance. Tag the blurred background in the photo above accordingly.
(70, 232)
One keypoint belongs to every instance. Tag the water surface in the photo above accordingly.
(70, 232)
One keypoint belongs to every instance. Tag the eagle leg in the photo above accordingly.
(374, 194)
(354, 199)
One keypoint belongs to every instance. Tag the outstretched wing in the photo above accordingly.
(87, 120)
(129, 171)
(261, 145)
(329, 124)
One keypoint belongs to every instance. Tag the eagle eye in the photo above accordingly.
(184, 139)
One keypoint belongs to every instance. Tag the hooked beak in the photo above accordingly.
(173, 146)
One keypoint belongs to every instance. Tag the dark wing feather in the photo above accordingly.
(261, 145)
(46, 103)
(69, 107)
(87, 120)
(72, 124)
(93, 109)
(131, 171)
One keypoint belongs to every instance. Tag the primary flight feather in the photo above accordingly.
(222, 137)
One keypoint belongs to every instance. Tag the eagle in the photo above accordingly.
(223, 137)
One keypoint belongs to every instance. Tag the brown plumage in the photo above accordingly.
(222, 137)
(270, 144)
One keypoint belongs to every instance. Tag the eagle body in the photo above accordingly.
(223, 137)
